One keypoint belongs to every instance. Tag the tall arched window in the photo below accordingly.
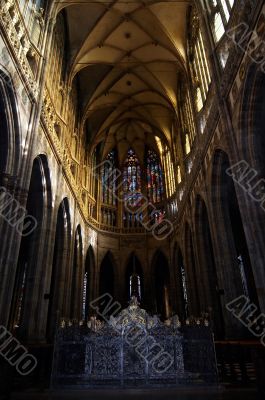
(162, 286)
(57, 63)
(76, 272)
(179, 177)
(106, 281)
(198, 61)
(187, 117)
(184, 288)
(220, 11)
(132, 180)
(132, 195)
(92, 176)
(88, 287)
(219, 28)
(168, 167)
(170, 175)
(154, 177)
(134, 278)
(109, 189)
(85, 295)
(109, 178)
(135, 286)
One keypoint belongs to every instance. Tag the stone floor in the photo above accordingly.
(133, 394)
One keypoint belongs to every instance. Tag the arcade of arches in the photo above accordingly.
(118, 124)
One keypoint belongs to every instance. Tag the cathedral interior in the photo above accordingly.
(132, 168)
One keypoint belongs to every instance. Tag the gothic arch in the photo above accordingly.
(134, 266)
(88, 280)
(252, 119)
(252, 148)
(233, 258)
(77, 268)
(206, 261)
(59, 287)
(192, 273)
(9, 126)
(107, 276)
(30, 271)
(161, 285)
(180, 273)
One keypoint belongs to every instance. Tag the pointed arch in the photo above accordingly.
(155, 186)
(107, 276)
(181, 283)
(58, 296)
(192, 273)
(88, 282)
(251, 145)
(10, 139)
(76, 291)
(161, 282)
(252, 119)
(29, 273)
(109, 189)
(132, 190)
(208, 273)
(134, 278)
(234, 257)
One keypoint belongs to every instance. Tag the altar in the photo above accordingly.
(133, 349)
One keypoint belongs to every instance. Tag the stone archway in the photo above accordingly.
(59, 296)
(88, 282)
(10, 129)
(161, 278)
(30, 264)
(77, 267)
(192, 274)
(107, 277)
(134, 270)
(208, 272)
(182, 292)
(233, 259)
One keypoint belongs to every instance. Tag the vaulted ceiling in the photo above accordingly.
(128, 57)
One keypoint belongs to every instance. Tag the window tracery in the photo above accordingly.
(168, 167)
(220, 12)
(132, 180)
(198, 61)
(154, 177)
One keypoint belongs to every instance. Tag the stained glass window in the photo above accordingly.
(170, 176)
(135, 286)
(84, 300)
(184, 288)
(109, 179)
(168, 167)
(132, 180)
(154, 177)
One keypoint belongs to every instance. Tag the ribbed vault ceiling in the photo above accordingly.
(127, 57)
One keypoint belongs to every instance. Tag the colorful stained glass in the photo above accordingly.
(109, 179)
(132, 180)
(154, 177)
